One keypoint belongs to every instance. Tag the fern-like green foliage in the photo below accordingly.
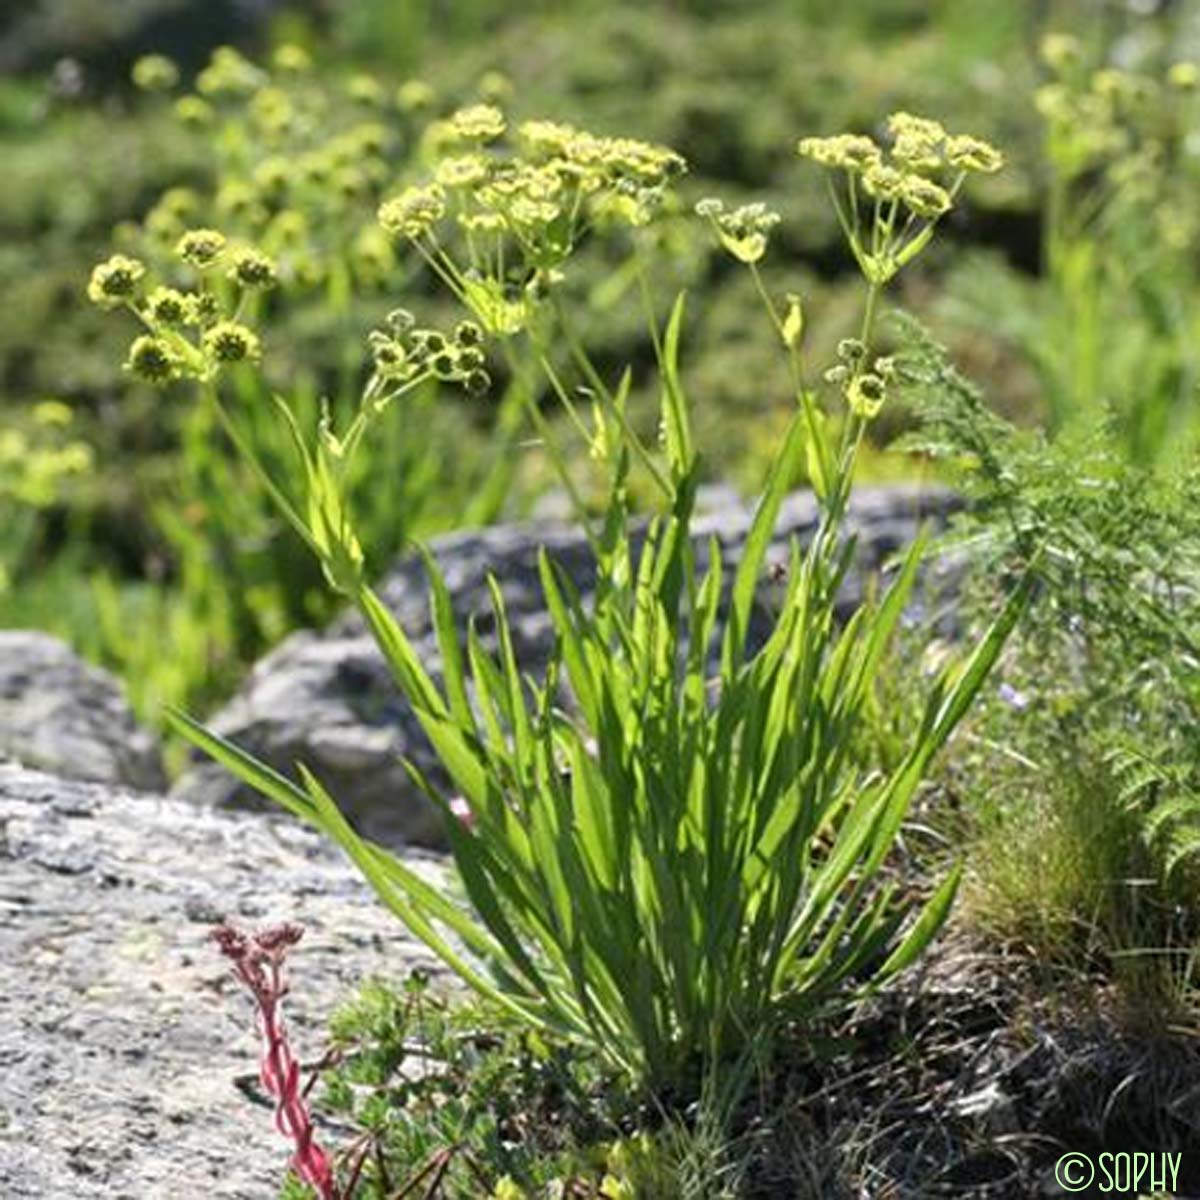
(1115, 628)
(1168, 796)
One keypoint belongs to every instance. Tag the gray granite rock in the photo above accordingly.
(61, 715)
(127, 1052)
(326, 699)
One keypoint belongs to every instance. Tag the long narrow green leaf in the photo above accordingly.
(762, 528)
(926, 927)
(442, 612)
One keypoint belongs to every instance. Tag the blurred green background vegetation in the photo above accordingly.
(128, 529)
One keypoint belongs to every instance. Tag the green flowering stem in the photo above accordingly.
(583, 360)
(551, 446)
(868, 321)
(562, 394)
(246, 450)
(795, 359)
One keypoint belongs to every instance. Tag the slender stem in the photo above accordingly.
(581, 357)
(794, 363)
(551, 446)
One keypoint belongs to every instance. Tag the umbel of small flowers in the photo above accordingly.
(889, 200)
(258, 962)
(402, 353)
(190, 333)
(197, 333)
(300, 167)
(503, 210)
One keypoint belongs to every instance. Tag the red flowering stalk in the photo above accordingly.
(258, 962)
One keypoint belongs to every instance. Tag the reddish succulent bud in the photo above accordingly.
(258, 961)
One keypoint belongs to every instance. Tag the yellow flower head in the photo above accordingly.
(865, 395)
(365, 90)
(231, 342)
(253, 269)
(917, 141)
(166, 306)
(414, 95)
(924, 197)
(236, 197)
(115, 281)
(464, 170)
(495, 86)
(478, 123)
(743, 232)
(882, 182)
(1184, 75)
(548, 138)
(292, 59)
(152, 359)
(201, 247)
(1060, 50)
(973, 154)
(414, 212)
(844, 151)
(274, 175)
(194, 111)
(229, 73)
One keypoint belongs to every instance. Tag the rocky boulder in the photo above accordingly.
(127, 1052)
(326, 699)
(60, 715)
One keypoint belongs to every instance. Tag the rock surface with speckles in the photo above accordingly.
(127, 1052)
(59, 714)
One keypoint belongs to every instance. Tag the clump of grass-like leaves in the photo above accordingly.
(669, 844)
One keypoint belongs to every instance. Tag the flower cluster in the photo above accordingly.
(503, 209)
(889, 200)
(894, 195)
(414, 212)
(403, 353)
(744, 231)
(229, 74)
(1096, 118)
(113, 282)
(36, 455)
(864, 384)
(300, 174)
(188, 332)
(1128, 133)
(921, 151)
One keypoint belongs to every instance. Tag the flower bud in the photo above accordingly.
(115, 281)
(151, 358)
(477, 382)
(166, 306)
(230, 342)
(201, 247)
(253, 269)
